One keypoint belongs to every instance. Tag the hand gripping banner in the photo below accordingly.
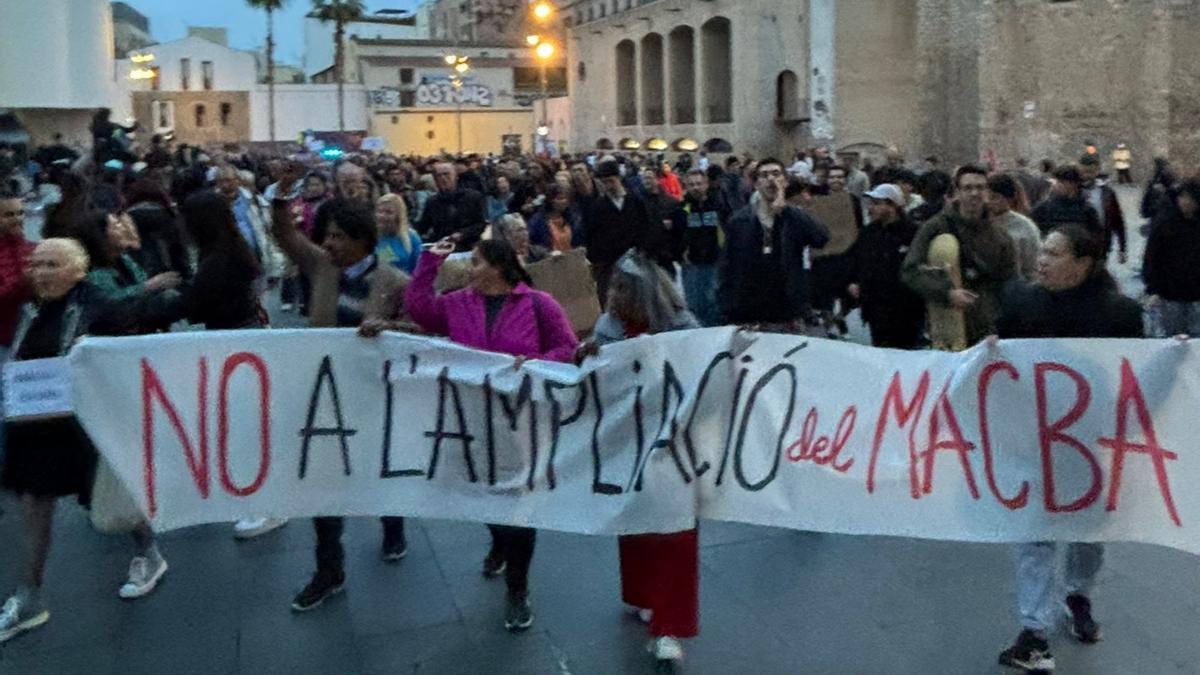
(1072, 440)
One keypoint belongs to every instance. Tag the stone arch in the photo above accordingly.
(653, 109)
(716, 48)
(627, 112)
(682, 58)
(787, 97)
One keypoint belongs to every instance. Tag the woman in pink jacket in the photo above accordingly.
(499, 312)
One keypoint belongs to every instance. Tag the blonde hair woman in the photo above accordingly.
(399, 245)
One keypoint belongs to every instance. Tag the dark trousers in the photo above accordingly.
(896, 335)
(515, 546)
(331, 556)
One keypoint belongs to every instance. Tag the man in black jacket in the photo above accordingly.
(1103, 199)
(706, 212)
(616, 222)
(1066, 204)
(454, 212)
(761, 277)
(895, 314)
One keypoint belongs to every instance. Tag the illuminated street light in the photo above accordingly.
(545, 51)
(451, 59)
(461, 67)
(542, 10)
(533, 40)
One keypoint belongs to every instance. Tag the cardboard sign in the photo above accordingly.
(835, 212)
(568, 278)
(37, 389)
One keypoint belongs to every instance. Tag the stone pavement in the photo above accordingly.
(773, 601)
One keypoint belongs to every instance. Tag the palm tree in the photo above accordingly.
(340, 12)
(270, 6)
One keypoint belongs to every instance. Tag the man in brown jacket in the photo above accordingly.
(349, 288)
(986, 256)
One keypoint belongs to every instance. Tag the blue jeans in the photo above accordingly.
(700, 290)
(1037, 579)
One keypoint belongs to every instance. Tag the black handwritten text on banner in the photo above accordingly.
(1081, 440)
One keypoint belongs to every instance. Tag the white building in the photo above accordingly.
(56, 65)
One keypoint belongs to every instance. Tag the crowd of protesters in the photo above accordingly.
(140, 241)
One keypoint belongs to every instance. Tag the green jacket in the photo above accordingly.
(115, 287)
(987, 260)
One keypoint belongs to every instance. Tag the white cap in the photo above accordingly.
(887, 191)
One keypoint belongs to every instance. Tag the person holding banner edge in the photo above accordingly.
(51, 458)
(498, 312)
(349, 287)
(660, 572)
(1074, 296)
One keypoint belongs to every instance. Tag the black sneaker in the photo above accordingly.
(1081, 624)
(1030, 653)
(493, 565)
(323, 586)
(520, 615)
(395, 550)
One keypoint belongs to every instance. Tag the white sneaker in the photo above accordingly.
(144, 576)
(249, 528)
(666, 648)
(643, 615)
(18, 616)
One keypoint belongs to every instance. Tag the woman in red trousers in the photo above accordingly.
(660, 573)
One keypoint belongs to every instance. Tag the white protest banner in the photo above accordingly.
(37, 389)
(1074, 440)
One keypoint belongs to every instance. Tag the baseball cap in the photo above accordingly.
(887, 191)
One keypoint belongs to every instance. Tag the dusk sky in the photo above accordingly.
(169, 20)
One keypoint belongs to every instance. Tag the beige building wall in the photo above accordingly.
(188, 129)
(432, 132)
(875, 73)
(876, 81)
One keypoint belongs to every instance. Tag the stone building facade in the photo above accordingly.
(965, 80)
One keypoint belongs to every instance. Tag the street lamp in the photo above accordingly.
(461, 65)
(533, 40)
(543, 10)
(544, 51)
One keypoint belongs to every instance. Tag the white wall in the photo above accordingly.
(299, 107)
(55, 53)
(233, 69)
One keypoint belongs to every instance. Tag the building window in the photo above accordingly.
(201, 116)
(581, 71)
(408, 99)
(406, 76)
(226, 113)
(156, 80)
(185, 74)
(164, 116)
(787, 97)
(206, 74)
